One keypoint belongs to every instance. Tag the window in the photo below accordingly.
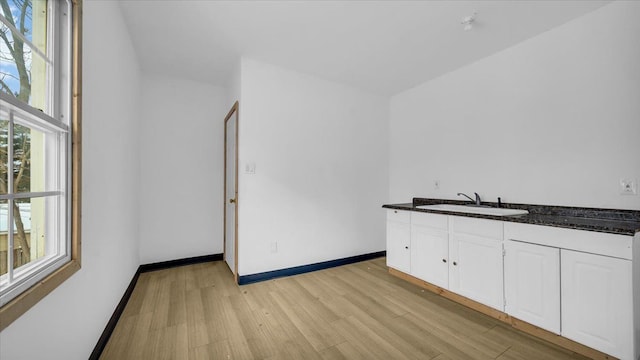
(39, 150)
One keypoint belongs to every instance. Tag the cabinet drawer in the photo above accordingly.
(436, 221)
(398, 216)
(587, 241)
(477, 227)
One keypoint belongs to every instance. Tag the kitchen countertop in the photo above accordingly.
(613, 221)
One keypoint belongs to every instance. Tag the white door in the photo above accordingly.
(475, 260)
(532, 284)
(475, 269)
(231, 193)
(429, 255)
(398, 240)
(597, 302)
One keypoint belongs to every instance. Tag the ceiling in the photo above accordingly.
(383, 47)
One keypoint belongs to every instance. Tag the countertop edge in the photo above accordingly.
(526, 219)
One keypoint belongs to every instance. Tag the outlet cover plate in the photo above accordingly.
(628, 186)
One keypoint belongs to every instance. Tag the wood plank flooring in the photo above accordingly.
(356, 311)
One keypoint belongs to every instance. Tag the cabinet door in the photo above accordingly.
(430, 254)
(475, 269)
(532, 284)
(597, 302)
(398, 241)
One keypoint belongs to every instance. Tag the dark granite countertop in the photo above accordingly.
(613, 221)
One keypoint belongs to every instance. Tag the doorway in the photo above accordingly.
(231, 190)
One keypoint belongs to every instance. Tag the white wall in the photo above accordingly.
(68, 322)
(233, 86)
(552, 120)
(320, 150)
(182, 164)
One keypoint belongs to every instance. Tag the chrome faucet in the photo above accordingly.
(477, 201)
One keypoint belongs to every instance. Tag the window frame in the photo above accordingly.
(13, 309)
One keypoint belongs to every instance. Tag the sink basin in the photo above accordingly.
(474, 209)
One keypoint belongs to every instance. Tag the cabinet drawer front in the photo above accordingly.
(436, 221)
(579, 240)
(477, 227)
(399, 216)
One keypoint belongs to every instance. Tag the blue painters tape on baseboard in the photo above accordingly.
(253, 278)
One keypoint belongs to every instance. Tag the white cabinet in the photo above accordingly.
(399, 240)
(597, 281)
(475, 255)
(532, 284)
(430, 248)
(597, 306)
(578, 284)
(460, 254)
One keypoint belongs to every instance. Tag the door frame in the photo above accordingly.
(233, 112)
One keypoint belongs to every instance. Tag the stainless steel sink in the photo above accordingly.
(474, 209)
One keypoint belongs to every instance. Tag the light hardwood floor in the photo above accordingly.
(356, 311)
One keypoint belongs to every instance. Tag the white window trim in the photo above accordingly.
(16, 281)
(12, 310)
(58, 243)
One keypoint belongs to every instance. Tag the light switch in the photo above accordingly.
(250, 168)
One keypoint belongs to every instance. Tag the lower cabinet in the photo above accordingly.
(475, 252)
(597, 306)
(596, 301)
(532, 284)
(578, 284)
(399, 240)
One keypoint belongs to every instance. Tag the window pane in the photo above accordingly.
(23, 71)
(29, 238)
(4, 147)
(4, 240)
(34, 77)
(28, 160)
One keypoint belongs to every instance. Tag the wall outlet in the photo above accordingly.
(274, 247)
(628, 186)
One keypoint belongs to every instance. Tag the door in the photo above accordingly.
(532, 284)
(430, 248)
(398, 240)
(597, 302)
(475, 260)
(231, 190)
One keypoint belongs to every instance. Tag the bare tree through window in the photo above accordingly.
(16, 80)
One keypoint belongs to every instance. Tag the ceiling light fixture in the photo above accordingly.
(468, 21)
